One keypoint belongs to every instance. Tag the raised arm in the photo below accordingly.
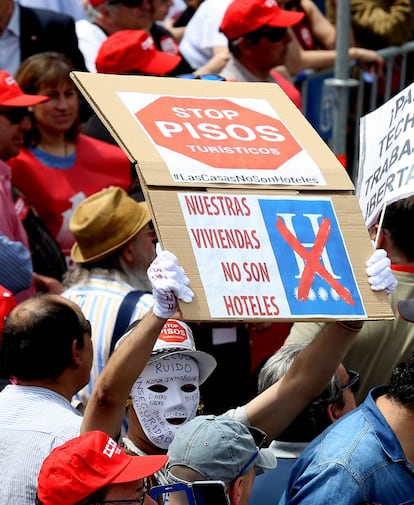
(275, 408)
(106, 407)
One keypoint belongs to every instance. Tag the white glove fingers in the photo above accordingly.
(378, 267)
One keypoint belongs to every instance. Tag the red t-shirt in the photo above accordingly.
(55, 192)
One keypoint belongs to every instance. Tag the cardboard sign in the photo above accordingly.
(222, 140)
(386, 171)
(197, 133)
(253, 203)
(268, 256)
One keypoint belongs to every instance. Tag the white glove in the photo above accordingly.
(379, 272)
(169, 282)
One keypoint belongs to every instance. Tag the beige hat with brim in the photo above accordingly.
(104, 222)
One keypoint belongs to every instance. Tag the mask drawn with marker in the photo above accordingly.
(165, 396)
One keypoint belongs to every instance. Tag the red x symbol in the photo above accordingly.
(312, 260)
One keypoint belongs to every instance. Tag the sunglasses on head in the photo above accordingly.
(127, 3)
(15, 114)
(353, 383)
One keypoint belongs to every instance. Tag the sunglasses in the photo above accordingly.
(274, 34)
(15, 114)
(353, 383)
(127, 3)
(270, 33)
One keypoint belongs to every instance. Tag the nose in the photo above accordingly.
(25, 124)
(287, 38)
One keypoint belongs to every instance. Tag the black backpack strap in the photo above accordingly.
(123, 317)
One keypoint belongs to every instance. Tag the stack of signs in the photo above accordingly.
(242, 189)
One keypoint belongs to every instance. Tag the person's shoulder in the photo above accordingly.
(24, 155)
(44, 15)
(84, 26)
(345, 442)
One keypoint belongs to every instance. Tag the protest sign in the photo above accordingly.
(203, 133)
(273, 256)
(386, 169)
(241, 188)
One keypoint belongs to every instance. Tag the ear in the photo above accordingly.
(333, 411)
(76, 355)
(245, 45)
(235, 491)
(128, 253)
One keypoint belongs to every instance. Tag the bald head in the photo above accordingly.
(38, 337)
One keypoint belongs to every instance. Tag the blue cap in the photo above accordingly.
(217, 448)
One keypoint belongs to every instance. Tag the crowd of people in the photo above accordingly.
(97, 403)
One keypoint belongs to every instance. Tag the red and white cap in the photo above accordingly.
(245, 16)
(176, 337)
(11, 94)
(87, 463)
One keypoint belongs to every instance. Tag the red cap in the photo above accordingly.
(11, 95)
(133, 50)
(7, 303)
(245, 16)
(87, 463)
(95, 3)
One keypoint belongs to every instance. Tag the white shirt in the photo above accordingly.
(99, 299)
(10, 44)
(33, 421)
(202, 32)
(90, 39)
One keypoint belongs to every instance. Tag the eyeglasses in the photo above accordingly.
(140, 500)
(127, 3)
(15, 114)
(260, 438)
(353, 383)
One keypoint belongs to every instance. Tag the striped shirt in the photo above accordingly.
(99, 298)
(33, 421)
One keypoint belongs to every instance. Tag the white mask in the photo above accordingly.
(167, 389)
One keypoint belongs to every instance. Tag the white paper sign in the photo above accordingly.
(222, 140)
(386, 171)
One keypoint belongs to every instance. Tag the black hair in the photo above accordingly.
(38, 336)
(401, 386)
(398, 219)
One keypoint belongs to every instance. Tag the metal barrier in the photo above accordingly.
(370, 92)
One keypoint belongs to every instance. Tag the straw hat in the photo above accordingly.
(104, 222)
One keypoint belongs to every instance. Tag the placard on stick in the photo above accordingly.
(241, 188)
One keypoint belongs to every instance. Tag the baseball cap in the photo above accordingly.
(104, 222)
(133, 51)
(87, 463)
(11, 94)
(176, 337)
(95, 3)
(245, 16)
(218, 448)
(406, 309)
